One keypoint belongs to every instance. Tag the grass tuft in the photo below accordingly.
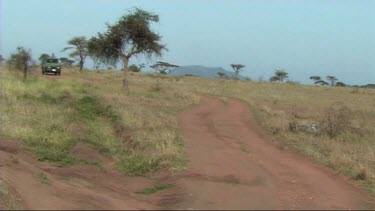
(156, 188)
(41, 177)
(135, 164)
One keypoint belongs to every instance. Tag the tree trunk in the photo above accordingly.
(24, 72)
(125, 83)
(80, 65)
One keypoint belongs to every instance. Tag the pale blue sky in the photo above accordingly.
(309, 37)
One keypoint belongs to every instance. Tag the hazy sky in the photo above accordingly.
(304, 37)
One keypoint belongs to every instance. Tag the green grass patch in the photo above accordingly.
(244, 149)
(156, 188)
(136, 164)
(51, 116)
(41, 177)
(88, 107)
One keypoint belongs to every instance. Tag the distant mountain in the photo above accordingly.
(201, 71)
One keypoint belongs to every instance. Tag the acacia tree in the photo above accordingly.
(332, 79)
(21, 60)
(66, 62)
(321, 82)
(79, 44)
(43, 57)
(315, 79)
(281, 74)
(1, 59)
(274, 79)
(222, 75)
(130, 36)
(237, 68)
(340, 84)
(163, 67)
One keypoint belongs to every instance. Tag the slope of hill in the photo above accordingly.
(201, 71)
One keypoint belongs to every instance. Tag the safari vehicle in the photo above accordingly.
(51, 66)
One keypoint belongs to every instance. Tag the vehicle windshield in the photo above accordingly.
(52, 61)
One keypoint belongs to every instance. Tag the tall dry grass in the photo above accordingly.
(147, 115)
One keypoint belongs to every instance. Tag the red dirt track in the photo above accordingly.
(232, 165)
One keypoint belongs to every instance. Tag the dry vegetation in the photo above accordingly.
(139, 129)
(8, 198)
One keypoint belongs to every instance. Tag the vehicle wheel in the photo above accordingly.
(55, 73)
(59, 73)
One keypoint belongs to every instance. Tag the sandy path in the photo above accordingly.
(234, 166)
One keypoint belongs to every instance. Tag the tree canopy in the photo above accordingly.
(237, 68)
(163, 67)
(222, 75)
(80, 46)
(66, 62)
(136, 68)
(315, 78)
(280, 76)
(332, 79)
(321, 82)
(21, 60)
(43, 57)
(130, 36)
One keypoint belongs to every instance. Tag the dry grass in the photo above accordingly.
(350, 152)
(148, 114)
(138, 128)
(8, 198)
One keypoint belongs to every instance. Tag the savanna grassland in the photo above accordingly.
(139, 129)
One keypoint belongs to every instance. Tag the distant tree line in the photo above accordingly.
(332, 81)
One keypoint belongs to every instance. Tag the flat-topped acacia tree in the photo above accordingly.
(237, 68)
(79, 46)
(130, 36)
(332, 79)
(315, 78)
(163, 67)
(281, 74)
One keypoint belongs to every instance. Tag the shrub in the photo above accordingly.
(336, 119)
(156, 87)
(134, 68)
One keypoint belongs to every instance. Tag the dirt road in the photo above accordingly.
(234, 166)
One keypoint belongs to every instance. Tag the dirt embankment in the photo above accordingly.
(38, 185)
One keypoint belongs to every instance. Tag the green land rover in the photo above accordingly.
(51, 66)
